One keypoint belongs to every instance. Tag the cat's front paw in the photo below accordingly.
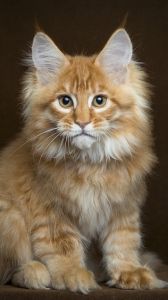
(33, 275)
(136, 278)
(76, 280)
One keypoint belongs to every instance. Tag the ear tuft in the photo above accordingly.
(116, 55)
(47, 58)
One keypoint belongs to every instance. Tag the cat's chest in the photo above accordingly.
(91, 207)
(90, 198)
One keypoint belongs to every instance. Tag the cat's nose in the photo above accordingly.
(82, 124)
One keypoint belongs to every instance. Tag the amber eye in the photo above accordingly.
(65, 101)
(99, 100)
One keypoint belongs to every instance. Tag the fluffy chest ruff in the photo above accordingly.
(89, 194)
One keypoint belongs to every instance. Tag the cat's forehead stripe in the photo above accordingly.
(80, 85)
(82, 76)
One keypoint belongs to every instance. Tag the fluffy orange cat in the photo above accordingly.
(74, 179)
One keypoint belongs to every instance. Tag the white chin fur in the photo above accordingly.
(83, 142)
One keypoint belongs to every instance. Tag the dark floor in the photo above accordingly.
(105, 293)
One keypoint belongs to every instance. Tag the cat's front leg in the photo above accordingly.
(67, 272)
(61, 250)
(121, 241)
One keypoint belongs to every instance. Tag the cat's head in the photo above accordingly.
(85, 107)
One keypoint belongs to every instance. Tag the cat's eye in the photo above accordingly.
(99, 101)
(65, 101)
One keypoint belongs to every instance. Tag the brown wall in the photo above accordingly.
(84, 26)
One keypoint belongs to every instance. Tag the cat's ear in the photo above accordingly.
(116, 55)
(46, 57)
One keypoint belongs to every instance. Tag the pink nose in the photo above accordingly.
(82, 125)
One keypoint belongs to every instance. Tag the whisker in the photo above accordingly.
(59, 134)
(33, 138)
(61, 143)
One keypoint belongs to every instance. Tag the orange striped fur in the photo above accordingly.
(60, 193)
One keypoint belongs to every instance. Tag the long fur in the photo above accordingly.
(60, 193)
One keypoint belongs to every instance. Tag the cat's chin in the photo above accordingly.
(83, 142)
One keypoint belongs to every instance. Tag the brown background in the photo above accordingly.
(84, 26)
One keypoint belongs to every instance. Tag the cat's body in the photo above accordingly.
(75, 177)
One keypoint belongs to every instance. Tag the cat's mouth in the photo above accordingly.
(84, 134)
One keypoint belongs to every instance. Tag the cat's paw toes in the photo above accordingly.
(33, 275)
(137, 278)
(76, 280)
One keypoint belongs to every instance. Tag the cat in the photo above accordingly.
(74, 179)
